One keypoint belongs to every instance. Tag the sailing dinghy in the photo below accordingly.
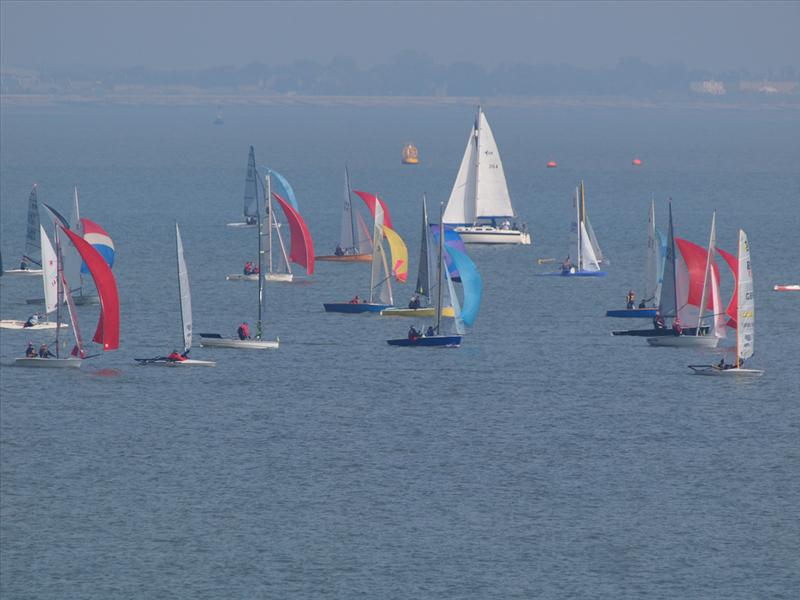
(424, 288)
(653, 273)
(693, 256)
(250, 193)
(215, 340)
(584, 245)
(354, 241)
(479, 206)
(433, 337)
(31, 263)
(107, 331)
(186, 318)
(745, 320)
(380, 288)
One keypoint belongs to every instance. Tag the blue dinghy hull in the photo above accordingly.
(431, 341)
(573, 274)
(361, 307)
(633, 313)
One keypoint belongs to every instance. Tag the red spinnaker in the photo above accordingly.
(695, 257)
(369, 200)
(107, 332)
(733, 264)
(302, 248)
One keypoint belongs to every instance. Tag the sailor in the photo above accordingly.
(176, 356)
(243, 331)
(566, 266)
(721, 365)
(338, 251)
(23, 266)
(642, 304)
(413, 334)
(250, 220)
(430, 331)
(248, 268)
(32, 320)
(677, 328)
(658, 321)
(631, 299)
(44, 351)
(30, 351)
(355, 300)
(506, 225)
(414, 303)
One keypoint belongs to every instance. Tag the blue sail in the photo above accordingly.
(452, 239)
(471, 280)
(288, 192)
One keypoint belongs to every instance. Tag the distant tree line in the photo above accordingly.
(413, 74)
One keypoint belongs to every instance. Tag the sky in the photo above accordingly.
(757, 36)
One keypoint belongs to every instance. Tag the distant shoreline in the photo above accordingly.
(232, 99)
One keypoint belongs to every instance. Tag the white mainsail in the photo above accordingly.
(711, 287)
(588, 256)
(746, 310)
(380, 267)
(185, 293)
(31, 257)
(348, 235)
(49, 272)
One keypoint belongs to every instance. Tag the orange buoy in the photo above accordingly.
(552, 164)
(637, 162)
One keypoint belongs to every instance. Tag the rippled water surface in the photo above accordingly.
(544, 458)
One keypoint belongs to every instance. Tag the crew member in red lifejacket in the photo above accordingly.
(677, 329)
(176, 356)
(243, 331)
(248, 268)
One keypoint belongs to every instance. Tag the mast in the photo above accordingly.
(477, 167)
(578, 228)
(439, 272)
(260, 264)
(59, 290)
(269, 220)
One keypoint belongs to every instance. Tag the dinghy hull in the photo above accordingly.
(49, 363)
(346, 259)
(573, 274)
(11, 324)
(217, 341)
(428, 311)
(279, 277)
(348, 308)
(432, 341)
(632, 313)
(684, 341)
(23, 272)
(241, 277)
(715, 371)
(163, 362)
(689, 331)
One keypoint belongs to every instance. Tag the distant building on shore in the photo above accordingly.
(710, 86)
(768, 87)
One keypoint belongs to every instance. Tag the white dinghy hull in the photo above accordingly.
(12, 324)
(279, 277)
(242, 277)
(49, 363)
(23, 272)
(222, 342)
(684, 341)
(715, 371)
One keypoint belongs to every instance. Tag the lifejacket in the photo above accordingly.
(176, 356)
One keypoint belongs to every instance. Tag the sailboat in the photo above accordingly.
(354, 243)
(584, 248)
(424, 288)
(50, 281)
(479, 205)
(471, 281)
(745, 320)
(107, 331)
(258, 342)
(250, 193)
(653, 272)
(186, 316)
(380, 287)
(30, 265)
(674, 296)
(710, 289)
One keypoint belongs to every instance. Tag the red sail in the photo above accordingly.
(369, 200)
(302, 252)
(733, 264)
(107, 332)
(695, 257)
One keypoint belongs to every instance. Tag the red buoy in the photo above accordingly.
(637, 162)
(552, 164)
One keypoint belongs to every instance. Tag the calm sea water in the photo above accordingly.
(544, 458)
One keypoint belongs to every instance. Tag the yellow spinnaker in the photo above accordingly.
(399, 254)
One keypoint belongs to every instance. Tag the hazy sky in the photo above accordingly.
(713, 35)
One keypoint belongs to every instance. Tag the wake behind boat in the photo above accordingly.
(479, 206)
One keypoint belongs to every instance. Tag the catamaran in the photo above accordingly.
(424, 288)
(745, 320)
(693, 256)
(653, 272)
(258, 342)
(354, 241)
(471, 281)
(107, 331)
(31, 263)
(479, 206)
(584, 247)
(380, 287)
(186, 318)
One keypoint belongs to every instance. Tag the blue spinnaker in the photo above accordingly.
(288, 192)
(471, 281)
(452, 239)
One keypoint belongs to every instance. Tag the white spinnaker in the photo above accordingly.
(588, 258)
(651, 259)
(185, 293)
(746, 309)
(492, 199)
(460, 207)
(49, 272)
